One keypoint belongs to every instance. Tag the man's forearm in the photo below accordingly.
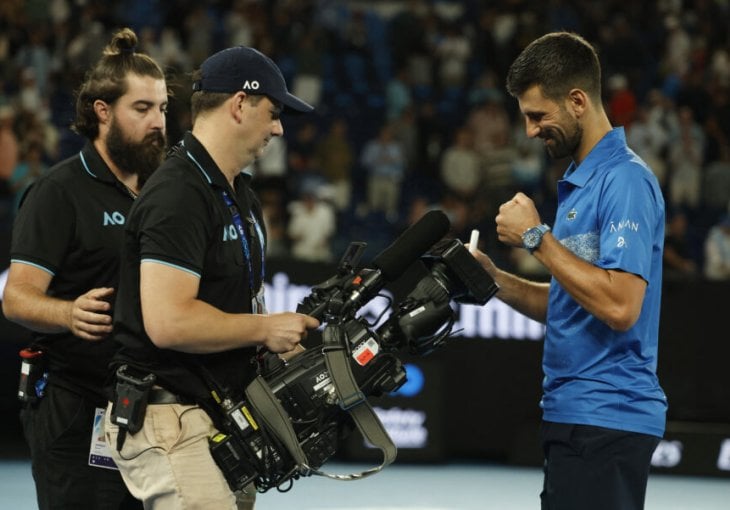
(527, 297)
(35, 310)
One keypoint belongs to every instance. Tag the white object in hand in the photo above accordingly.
(473, 241)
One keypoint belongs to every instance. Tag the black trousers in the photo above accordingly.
(594, 468)
(58, 431)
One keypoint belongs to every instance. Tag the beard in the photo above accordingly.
(140, 158)
(565, 142)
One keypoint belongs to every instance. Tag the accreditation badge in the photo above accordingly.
(99, 454)
(258, 303)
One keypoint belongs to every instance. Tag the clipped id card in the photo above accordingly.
(99, 453)
(258, 303)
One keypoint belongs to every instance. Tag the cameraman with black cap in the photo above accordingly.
(190, 312)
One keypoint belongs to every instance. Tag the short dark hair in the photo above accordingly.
(557, 62)
(107, 80)
(203, 101)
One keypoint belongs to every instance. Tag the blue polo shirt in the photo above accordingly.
(611, 214)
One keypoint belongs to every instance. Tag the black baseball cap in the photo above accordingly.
(249, 70)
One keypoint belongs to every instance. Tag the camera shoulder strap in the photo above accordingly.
(261, 397)
(353, 401)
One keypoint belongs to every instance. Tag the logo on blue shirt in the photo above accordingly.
(624, 225)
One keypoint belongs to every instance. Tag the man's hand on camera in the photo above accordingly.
(285, 330)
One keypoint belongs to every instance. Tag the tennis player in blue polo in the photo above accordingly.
(604, 411)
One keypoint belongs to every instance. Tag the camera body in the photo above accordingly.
(304, 386)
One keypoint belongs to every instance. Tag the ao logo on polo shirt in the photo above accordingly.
(230, 233)
(113, 218)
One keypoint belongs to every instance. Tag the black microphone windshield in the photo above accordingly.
(411, 244)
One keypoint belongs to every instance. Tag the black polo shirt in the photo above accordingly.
(181, 219)
(71, 224)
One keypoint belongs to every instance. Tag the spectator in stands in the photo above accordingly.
(490, 123)
(662, 111)
(528, 166)
(165, 48)
(357, 57)
(9, 156)
(452, 51)
(717, 250)
(461, 166)
(716, 126)
(29, 95)
(312, 224)
(686, 156)
(621, 102)
(199, 29)
(716, 185)
(649, 140)
(384, 162)
(240, 22)
(623, 52)
(678, 258)
(492, 129)
(9, 144)
(30, 167)
(676, 58)
(405, 132)
(336, 158)
(275, 220)
(302, 158)
(307, 82)
(35, 57)
(398, 94)
(272, 166)
(83, 47)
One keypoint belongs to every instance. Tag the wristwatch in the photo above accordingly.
(532, 237)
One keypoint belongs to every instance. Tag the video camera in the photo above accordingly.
(296, 412)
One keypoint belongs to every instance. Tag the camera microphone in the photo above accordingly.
(392, 262)
(414, 242)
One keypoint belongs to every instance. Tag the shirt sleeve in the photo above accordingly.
(173, 224)
(44, 226)
(629, 213)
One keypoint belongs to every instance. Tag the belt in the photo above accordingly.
(162, 396)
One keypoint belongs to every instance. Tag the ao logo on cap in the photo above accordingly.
(252, 85)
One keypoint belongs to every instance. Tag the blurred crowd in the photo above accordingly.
(411, 112)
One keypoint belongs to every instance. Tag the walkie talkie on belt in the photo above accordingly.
(31, 385)
(130, 404)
